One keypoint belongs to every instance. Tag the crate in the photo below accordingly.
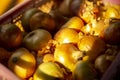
(7, 76)
(110, 74)
(19, 9)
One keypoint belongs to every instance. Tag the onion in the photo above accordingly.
(111, 2)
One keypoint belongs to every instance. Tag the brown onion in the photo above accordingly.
(76, 6)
